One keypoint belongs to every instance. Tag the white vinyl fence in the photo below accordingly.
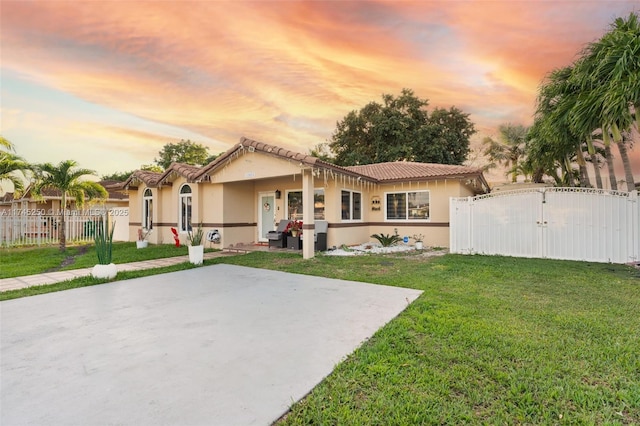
(556, 223)
(28, 228)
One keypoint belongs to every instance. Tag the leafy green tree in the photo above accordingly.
(401, 129)
(122, 176)
(212, 157)
(183, 152)
(66, 178)
(12, 166)
(322, 151)
(118, 176)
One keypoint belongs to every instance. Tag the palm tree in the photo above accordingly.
(11, 165)
(556, 100)
(508, 150)
(610, 88)
(65, 177)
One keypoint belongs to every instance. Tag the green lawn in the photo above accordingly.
(492, 340)
(16, 262)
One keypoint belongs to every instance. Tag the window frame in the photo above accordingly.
(351, 205)
(315, 215)
(147, 209)
(188, 215)
(407, 217)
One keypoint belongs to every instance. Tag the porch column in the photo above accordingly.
(308, 225)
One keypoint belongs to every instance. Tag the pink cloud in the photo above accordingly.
(285, 72)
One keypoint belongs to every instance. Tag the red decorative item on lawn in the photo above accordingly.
(175, 236)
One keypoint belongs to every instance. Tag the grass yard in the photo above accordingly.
(16, 262)
(492, 340)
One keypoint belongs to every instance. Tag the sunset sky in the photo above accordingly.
(108, 83)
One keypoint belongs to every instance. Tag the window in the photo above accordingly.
(147, 209)
(294, 204)
(185, 209)
(351, 205)
(318, 204)
(407, 205)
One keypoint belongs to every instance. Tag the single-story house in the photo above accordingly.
(249, 189)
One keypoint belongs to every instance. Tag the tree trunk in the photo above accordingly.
(62, 235)
(568, 172)
(596, 170)
(585, 182)
(612, 173)
(628, 173)
(537, 175)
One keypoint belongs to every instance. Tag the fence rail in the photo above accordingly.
(556, 223)
(22, 229)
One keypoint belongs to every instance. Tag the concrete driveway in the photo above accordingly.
(217, 345)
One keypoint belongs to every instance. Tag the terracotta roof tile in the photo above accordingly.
(376, 173)
(150, 179)
(403, 170)
(251, 145)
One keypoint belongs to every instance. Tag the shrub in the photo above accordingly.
(387, 240)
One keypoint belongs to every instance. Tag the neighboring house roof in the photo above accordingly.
(114, 189)
(7, 197)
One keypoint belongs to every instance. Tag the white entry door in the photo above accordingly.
(266, 214)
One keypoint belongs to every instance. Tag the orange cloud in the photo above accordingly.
(285, 72)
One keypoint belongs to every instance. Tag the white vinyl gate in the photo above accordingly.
(556, 223)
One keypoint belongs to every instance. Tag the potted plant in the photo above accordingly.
(142, 238)
(419, 238)
(294, 228)
(103, 239)
(196, 248)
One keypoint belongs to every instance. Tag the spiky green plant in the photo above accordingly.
(103, 239)
(195, 238)
(387, 240)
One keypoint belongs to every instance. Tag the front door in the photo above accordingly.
(266, 214)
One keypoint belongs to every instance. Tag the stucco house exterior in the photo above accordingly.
(246, 191)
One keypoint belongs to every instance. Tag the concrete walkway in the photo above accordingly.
(56, 277)
(217, 345)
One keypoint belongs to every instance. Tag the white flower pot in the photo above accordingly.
(142, 244)
(104, 271)
(196, 254)
(419, 245)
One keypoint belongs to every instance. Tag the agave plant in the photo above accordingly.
(387, 240)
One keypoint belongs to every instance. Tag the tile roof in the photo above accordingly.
(8, 196)
(180, 169)
(375, 173)
(148, 178)
(252, 146)
(404, 170)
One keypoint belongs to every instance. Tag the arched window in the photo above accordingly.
(147, 209)
(185, 209)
